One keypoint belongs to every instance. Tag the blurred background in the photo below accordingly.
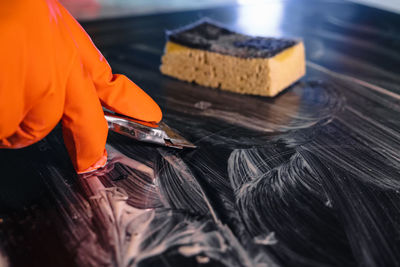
(99, 9)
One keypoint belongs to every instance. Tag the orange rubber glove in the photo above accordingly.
(50, 71)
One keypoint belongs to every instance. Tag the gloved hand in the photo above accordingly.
(50, 71)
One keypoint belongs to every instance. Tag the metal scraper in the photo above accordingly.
(156, 133)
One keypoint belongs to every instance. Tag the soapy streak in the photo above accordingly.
(268, 184)
(352, 79)
(250, 181)
(284, 114)
(125, 229)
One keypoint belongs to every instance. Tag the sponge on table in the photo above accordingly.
(210, 55)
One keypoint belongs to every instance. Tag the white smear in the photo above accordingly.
(203, 105)
(202, 259)
(121, 158)
(267, 240)
(242, 120)
(180, 166)
(328, 203)
(132, 234)
(189, 251)
(224, 237)
(128, 229)
(355, 80)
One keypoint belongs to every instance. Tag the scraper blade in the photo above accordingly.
(156, 133)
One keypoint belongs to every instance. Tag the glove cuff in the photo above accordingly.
(99, 164)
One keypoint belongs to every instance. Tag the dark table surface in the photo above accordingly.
(308, 178)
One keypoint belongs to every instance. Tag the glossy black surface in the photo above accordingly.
(308, 178)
